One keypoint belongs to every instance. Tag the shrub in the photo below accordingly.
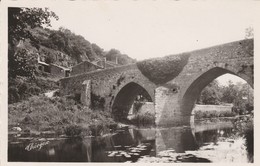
(13, 95)
(74, 130)
(144, 119)
(212, 114)
(21, 88)
(59, 114)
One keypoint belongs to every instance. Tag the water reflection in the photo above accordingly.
(125, 145)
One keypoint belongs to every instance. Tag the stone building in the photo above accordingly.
(53, 69)
(87, 66)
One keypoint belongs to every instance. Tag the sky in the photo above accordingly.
(143, 29)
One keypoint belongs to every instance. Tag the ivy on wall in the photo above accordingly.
(161, 70)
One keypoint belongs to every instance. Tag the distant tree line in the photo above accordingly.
(240, 95)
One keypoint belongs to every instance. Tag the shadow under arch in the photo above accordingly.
(125, 98)
(197, 85)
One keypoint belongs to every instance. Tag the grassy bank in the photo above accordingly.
(244, 126)
(59, 114)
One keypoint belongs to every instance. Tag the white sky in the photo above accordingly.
(144, 29)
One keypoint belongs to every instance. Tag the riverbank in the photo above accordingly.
(60, 115)
(175, 144)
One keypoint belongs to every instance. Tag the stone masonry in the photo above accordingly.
(175, 93)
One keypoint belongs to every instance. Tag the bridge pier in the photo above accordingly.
(85, 96)
(167, 108)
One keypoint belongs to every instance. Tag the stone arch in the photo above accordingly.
(125, 97)
(199, 83)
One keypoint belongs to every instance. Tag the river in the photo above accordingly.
(203, 142)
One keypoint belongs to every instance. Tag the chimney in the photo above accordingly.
(38, 57)
(116, 60)
(104, 62)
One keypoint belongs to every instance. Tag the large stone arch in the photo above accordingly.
(196, 85)
(125, 96)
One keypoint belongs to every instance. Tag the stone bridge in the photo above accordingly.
(172, 83)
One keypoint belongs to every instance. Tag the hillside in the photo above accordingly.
(59, 47)
(64, 48)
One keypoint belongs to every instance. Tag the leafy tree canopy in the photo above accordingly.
(20, 20)
(239, 94)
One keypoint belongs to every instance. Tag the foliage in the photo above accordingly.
(77, 47)
(99, 51)
(212, 114)
(74, 45)
(19, 22)
(61, 47)
(22, 63)
(21, 88)
(19, 19)
(240, 95)
(161, 70)
(76, 130)
(143, 119)
(210, 94)
(59, 114)
(122, 59)
(244, 126)
(249, 33)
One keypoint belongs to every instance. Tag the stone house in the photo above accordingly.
(53, 69)
(87, 66)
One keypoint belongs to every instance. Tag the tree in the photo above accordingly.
(229, 93)
(240, 95)
(123, 59)
(249, 33)
(99, 51)
(20, 21)
(210, 94)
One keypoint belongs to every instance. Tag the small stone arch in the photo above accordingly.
(125, 97)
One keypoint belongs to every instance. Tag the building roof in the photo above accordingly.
(43, 63)
(64, 68)
(89, 63)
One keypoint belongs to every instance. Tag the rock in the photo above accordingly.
(17, 128)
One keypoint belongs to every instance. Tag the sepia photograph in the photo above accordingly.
(129, 82)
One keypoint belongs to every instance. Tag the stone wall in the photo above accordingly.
(203, 67)
(174, 92)
(212, 108)
(57, 71)
(147, 107)
(106, 84)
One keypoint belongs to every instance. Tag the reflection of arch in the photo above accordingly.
(197, 85)
(125, 98)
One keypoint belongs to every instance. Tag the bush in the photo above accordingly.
(21, 88)
(40, 113)
(244, 126)
(13, 95)
(212, 114)
(143, 119)
(76, 130)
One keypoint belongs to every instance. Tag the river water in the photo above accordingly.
(203, 142)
